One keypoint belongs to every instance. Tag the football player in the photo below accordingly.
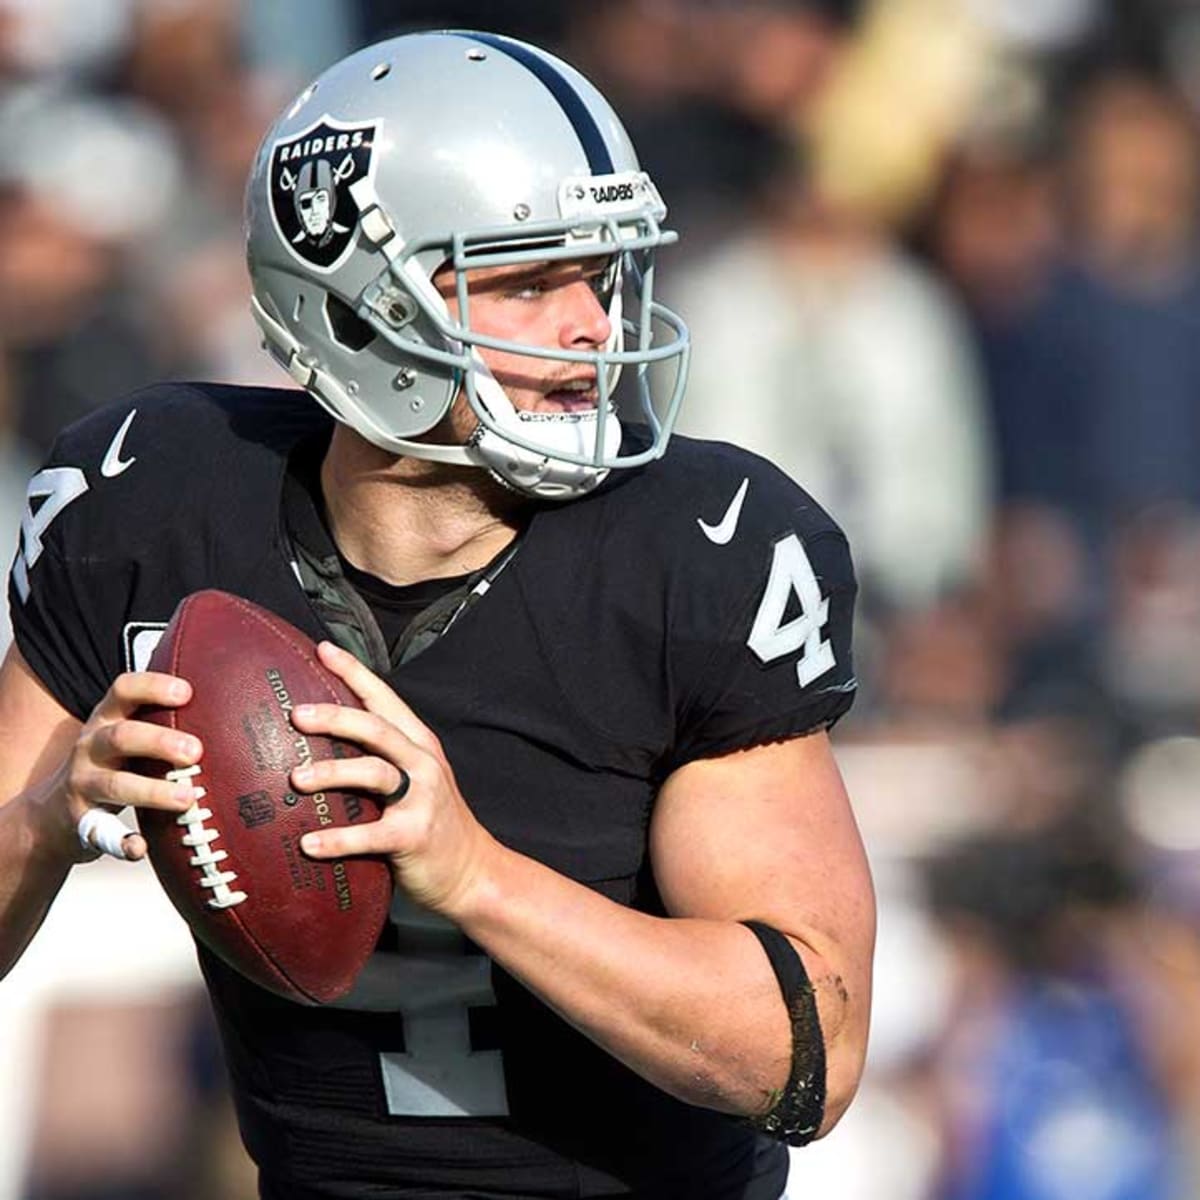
(629, 953)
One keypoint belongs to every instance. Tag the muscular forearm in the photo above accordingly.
(57, 768)
(37, 839)
(33, 865)
(692, 1005)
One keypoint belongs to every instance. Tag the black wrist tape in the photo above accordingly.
(797, 1114)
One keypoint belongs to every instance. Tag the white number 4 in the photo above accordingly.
(56, 487)
(771, 637)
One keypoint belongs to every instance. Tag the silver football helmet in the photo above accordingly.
(457, 150)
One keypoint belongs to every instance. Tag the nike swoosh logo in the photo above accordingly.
(113, 463)
(722, 533)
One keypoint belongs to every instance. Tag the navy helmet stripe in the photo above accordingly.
(577, 112)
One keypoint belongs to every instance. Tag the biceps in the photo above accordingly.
(766, 833)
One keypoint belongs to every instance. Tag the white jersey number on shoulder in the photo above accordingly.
(55, 487)
(771, 637)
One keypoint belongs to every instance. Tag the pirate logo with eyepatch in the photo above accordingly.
(311, 176)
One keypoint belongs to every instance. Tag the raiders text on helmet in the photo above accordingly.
(458, 150)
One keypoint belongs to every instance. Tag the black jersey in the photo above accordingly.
(691, 607)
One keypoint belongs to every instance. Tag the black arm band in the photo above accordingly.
(796, 1116)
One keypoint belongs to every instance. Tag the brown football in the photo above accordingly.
(232, 865)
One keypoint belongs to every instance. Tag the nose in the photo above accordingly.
(584, 320)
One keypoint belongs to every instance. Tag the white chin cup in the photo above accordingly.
(534, 472)
(542, 475)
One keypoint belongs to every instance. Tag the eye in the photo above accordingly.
(528, 289)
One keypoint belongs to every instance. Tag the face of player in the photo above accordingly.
(314, 212)
(560, 305)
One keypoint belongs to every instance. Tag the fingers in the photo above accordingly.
(400, 753)
(99, 773)
(99, 790)
(374, 694)
(362, 773)
(347, 841)
(118, 788)
(379, 770)
(133, 689)
(387, 769)
(96, 779)
(375, 734)
(401, 789)
(134, 846)
(101, 830)
(141, 739)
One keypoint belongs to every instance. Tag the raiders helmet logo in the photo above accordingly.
(311, 174)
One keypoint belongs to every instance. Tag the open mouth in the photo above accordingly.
(574, 397)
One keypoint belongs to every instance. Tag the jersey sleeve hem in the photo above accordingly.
(42, 666)
(820, 714)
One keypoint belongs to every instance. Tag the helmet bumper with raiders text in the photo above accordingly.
(454, 152)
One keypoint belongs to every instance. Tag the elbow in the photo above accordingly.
(820, 1086)
(844, 1023)
(845, 1060)
(843, 1077)
(844, 1002)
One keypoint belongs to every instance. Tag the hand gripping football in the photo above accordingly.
(232, 864)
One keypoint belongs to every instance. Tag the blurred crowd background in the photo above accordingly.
(940, 258)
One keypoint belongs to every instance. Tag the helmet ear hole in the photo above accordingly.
(346, 327)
